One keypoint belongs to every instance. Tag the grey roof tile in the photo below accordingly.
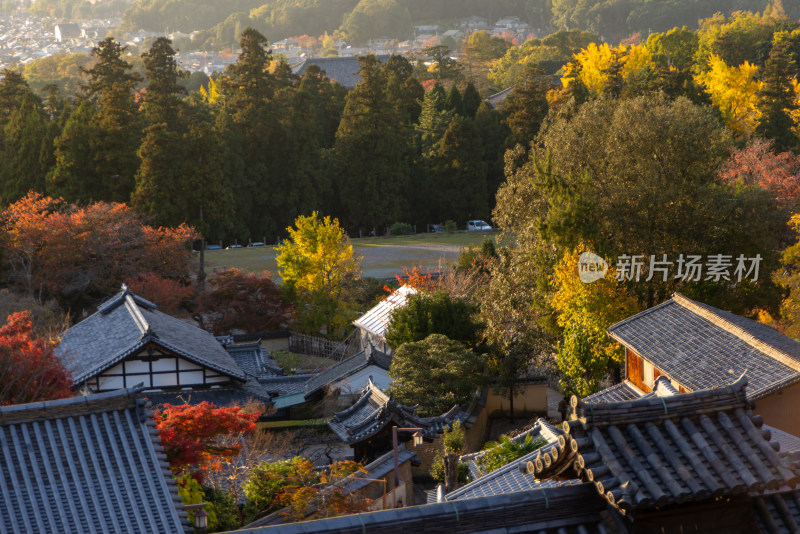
(778, 513)
(662, 450)
(369, 356)
(618, 392)
(126, 323)
(343, 70)
(567, 509)
(702, 347)
(374, 410)
(85, 464)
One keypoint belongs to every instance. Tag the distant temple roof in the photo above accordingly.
(85, 464)
(369, 356)
(703, 347)
(343, 70)
(375, 411)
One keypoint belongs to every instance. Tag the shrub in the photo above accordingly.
(401, 228)
(450, 226)
(437, 470)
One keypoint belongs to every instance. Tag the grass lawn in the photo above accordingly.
(289, 360)
(383, 256)
(293, 424)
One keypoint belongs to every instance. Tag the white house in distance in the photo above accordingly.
(372, 325)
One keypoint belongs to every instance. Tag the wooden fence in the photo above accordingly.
(319, 346)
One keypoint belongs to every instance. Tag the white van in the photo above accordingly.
(477, 226)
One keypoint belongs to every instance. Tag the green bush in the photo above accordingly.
(437, 470)
(401, 228)
(450, 226)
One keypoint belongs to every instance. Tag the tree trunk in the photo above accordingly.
(450, 472)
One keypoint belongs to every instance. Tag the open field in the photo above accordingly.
(383, 257)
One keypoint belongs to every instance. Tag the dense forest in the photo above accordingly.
(255, 147)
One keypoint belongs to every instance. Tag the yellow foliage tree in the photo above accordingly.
(795, 113)
(636, 61)
(319, 268)
(212, 95)
(585, 311)
(596, 63)
(734, 90)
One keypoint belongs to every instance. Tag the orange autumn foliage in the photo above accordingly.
(190, 435)
(29, 369)
(78, 255)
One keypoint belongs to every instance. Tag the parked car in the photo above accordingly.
(256, 244)
(476, 226)
(235, 246)
(213, 247)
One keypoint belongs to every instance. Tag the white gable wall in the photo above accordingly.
(161, 370)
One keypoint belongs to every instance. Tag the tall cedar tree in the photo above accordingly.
(116, 128)
(526, 107)
(776, 99)
(23, 147)
(179, 180)
(256, 139)
(372, 151)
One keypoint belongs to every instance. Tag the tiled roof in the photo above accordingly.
(253, 359)
(662, 450)
(377, 319)
(375, 410)
(376, 469)
(788, 442)
(85, 464)
(510, 478)
(571, 509)
(702, 347)
(125, 324)
(343, 69)
(619, 392)
(369, 356)
(778, 513)
(541, 430)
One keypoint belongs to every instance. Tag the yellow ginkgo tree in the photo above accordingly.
(734, 90)
(320, 269)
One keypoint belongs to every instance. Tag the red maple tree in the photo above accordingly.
(191, 435)
(167, 293)
(758, 164)
(29, 369)
(81, 254)
(249, 302)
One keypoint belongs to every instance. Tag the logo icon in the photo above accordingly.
(591, 267)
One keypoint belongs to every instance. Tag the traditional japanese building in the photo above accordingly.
(698, 347)
(367, 426)
(347, 379)
(671, 462)
(129, 342)
(372, 325)
(86, 464)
